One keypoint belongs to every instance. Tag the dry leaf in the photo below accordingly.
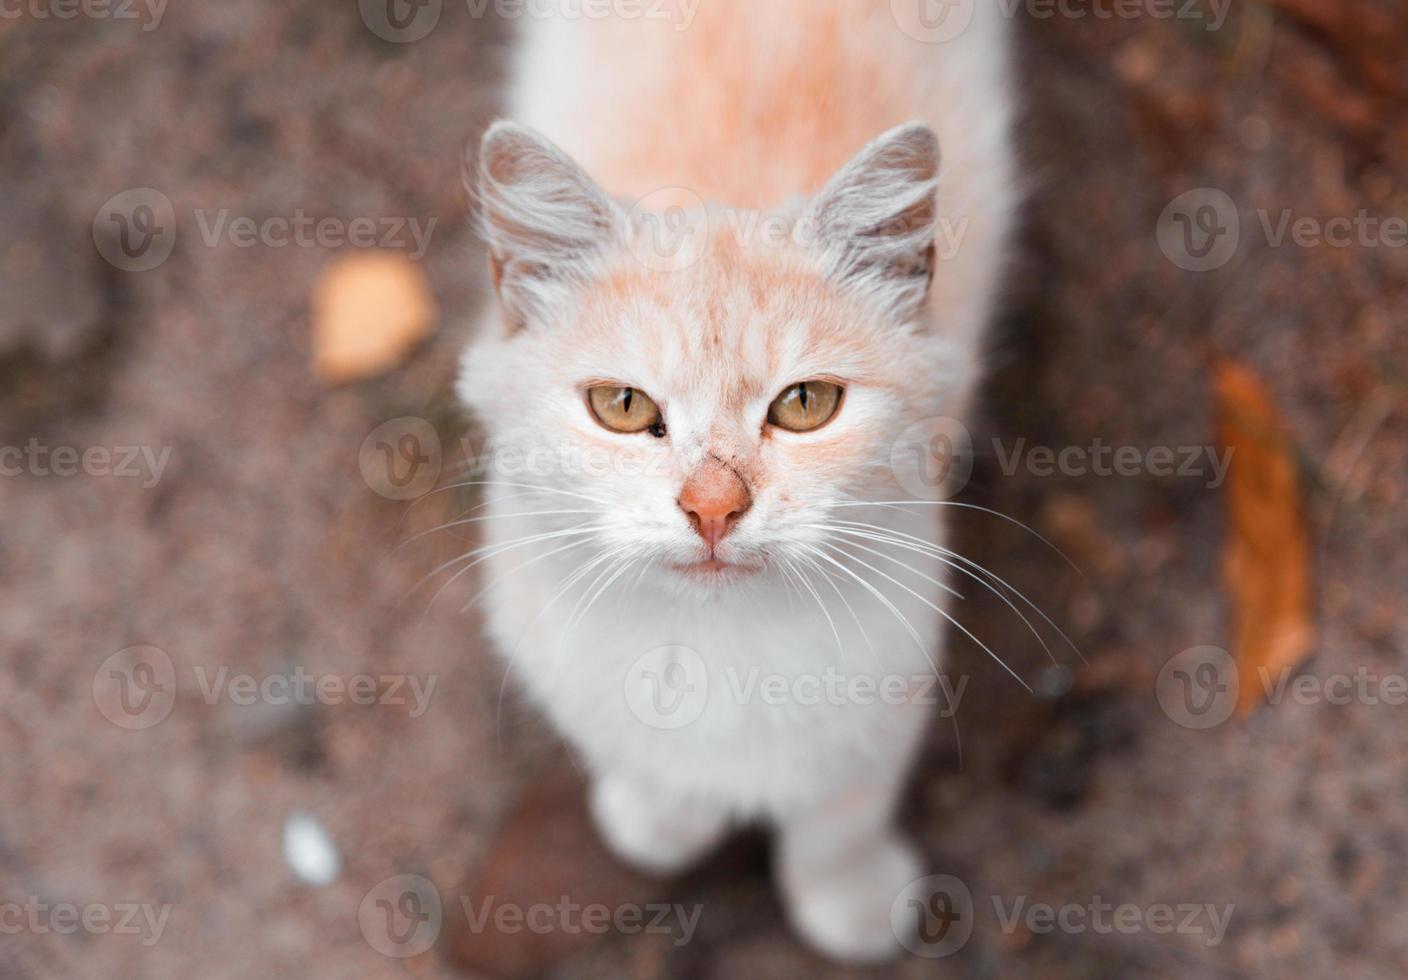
(1267, 557)
(370, 309)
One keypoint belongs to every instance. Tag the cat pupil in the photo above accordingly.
(626, 400)
(802, 395)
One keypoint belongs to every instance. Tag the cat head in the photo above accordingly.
(703, 401)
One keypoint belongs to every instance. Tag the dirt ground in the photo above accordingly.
(260, 547)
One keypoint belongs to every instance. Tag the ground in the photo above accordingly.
(261, 548)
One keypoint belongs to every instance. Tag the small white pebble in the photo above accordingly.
(309, 851)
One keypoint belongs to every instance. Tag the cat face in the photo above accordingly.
(705, 412)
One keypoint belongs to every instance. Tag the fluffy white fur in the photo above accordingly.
(586, 538)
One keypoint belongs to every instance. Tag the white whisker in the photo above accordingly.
(957, 625)
(902, 504)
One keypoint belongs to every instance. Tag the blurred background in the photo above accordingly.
(236, 268)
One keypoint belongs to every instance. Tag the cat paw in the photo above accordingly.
(844, 909)
(654, 837)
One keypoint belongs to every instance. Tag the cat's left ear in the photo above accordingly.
(874, 222)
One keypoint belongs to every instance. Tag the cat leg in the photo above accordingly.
(648, 832)
(841, 867)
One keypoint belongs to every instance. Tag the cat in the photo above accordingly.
(736, 261)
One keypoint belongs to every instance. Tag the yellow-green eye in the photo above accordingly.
(625, 410)
(805, 406)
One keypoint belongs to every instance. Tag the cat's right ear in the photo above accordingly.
(547, 224)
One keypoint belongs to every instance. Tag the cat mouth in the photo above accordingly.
(714, 569)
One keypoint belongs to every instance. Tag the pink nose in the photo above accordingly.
(714, 499)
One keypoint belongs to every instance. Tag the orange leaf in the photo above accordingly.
(1266, 561)
(370, 309)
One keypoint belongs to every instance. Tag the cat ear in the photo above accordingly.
(874, 222)
(546, 222)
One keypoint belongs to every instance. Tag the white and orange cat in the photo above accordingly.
(700, 571)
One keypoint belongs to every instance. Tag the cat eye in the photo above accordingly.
(805, 406)
(625, 410)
